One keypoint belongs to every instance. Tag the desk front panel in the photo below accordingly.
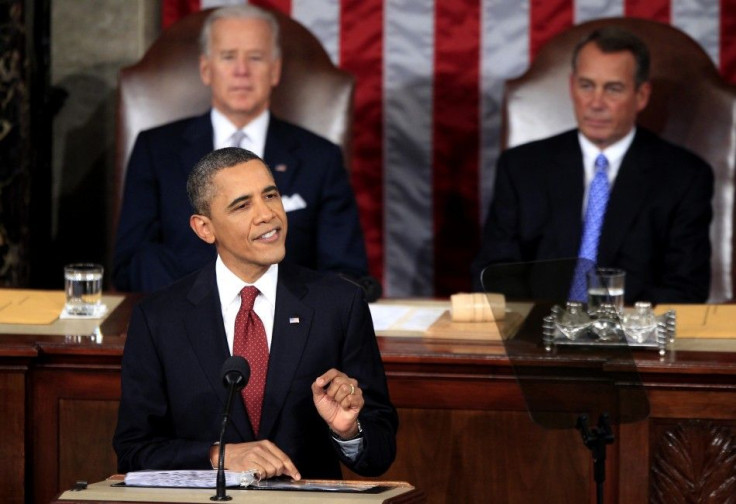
(15, 360)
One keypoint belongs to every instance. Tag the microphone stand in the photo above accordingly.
(595, 440)
(220, 495)
(235, 382)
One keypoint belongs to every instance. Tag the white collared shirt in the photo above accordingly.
(614, 153)
(229, 287)
(255, 132)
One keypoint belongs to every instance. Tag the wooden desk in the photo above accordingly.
(461, 406)
(465, 434)
(62, 391)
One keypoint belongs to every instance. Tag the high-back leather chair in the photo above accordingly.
(690, 105)
(165, 85)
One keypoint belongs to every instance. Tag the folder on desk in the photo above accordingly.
(20, 306)
(707, 321)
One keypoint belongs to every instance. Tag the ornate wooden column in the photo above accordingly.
(24, 140)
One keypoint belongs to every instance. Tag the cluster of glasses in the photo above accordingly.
(609, 324)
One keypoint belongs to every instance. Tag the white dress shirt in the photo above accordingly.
(614, 154)
(255, 132)
(229, 287)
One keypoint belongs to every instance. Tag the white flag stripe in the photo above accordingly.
(504, 55)
(321, 17)
(593, 9)
(407, 91)
(701, 20)
(206, 4)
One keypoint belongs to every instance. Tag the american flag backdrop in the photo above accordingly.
(429, 84)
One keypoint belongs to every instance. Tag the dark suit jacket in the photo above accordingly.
(173, 396)
(656, 225)
(155, 245)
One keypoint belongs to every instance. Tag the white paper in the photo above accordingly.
(99, 312)
(188, 478)
(399, 317)
(384, 316)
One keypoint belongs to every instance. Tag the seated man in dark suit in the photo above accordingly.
(241, 63)
(609, 191)
(323, 396)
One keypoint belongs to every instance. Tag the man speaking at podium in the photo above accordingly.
(317, 392)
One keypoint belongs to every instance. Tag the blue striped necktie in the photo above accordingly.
(594, 214)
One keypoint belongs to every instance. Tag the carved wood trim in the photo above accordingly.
(695, 462)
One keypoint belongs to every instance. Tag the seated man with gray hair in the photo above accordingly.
(609, 191)
(240, 62)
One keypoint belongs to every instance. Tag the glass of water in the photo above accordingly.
(606, 285)
(83, 285)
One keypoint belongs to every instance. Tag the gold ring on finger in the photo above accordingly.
(352, 389)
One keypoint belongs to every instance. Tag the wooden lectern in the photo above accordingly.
(107, 491)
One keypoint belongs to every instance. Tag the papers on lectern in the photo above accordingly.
(188, 478)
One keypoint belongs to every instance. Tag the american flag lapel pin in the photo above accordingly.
(293, 320)
(281, 168)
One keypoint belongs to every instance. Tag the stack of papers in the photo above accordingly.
(188, 478)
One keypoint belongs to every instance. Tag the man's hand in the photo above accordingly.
(264, 457)
(338, 400)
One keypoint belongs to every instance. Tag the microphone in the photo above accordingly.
(235, 375)
(371, 287)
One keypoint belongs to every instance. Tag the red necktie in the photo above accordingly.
(250, 341)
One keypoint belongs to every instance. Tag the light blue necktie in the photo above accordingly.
(237, 138)
(594, 214)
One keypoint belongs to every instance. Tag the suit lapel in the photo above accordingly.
(198, 140)
(292, 321)
(629, 192)
(280, 155)
(206, 334)
(565, 185)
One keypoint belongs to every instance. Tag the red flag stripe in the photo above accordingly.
(279, 5)
(172, 10)
(455, 157)
(547, 19)
(728, 40)
(655, 10)
(361, 53)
